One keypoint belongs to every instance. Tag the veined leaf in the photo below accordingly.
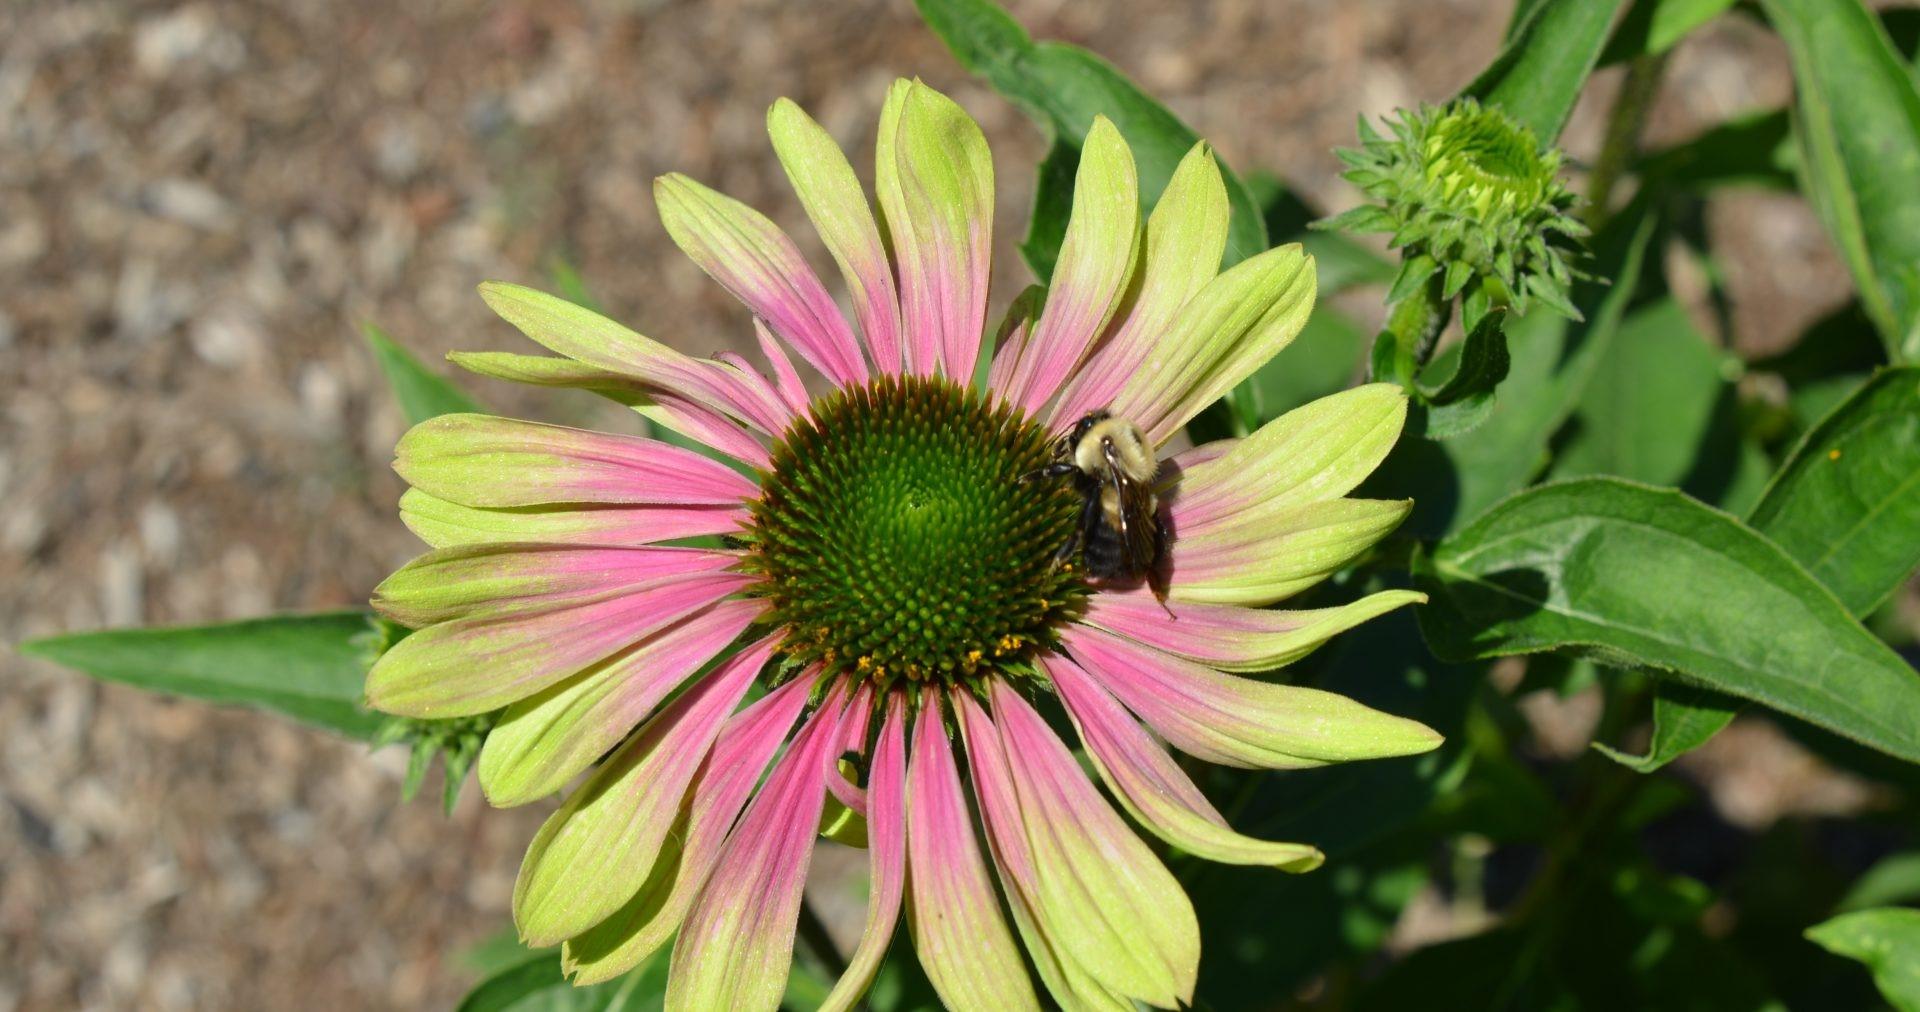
(1062, 88)
(308, 667)
(1847, 502)
(422, 393)
(1641, 576)
(1550, 50)
(1859, 130)
(1845, 505)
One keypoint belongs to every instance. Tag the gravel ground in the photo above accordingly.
(199, 204)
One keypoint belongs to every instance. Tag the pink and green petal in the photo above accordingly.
(958, 933)
(1053, 944)
(1132, 925)
(495, 580)
(1229, 637)
(750, 257)
(443, 524)
(831, 194)
(482, 460)
(1321, 450)
(1269, 552)
(1151, 786)
(736, 946)
(477, 665)
(1218, 338)
(1186, 237)
(1089, 278)
(725, 781)
(1236, 721)
(588, 337)
(676, 411)
(597, 852)
(547, 739)
(934, 176)
(885, 813)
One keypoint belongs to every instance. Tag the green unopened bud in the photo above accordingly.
(1473, 202)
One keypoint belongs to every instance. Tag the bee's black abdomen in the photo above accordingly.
(1105, 555)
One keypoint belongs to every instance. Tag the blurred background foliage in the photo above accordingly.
(1669, 535)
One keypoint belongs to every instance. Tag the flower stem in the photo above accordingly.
(1624, 123)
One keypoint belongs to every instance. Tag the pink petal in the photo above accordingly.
(599, 849)
(520, 579)
(886, 853)
(786, 378)
(1151, 787)
(736, 946)
(476, 665)
(1239, 721)
(721, 788)
(443, 524)
(702, 424)
(481, 460)
(545, 740)
(958, 932)
(749, 255)
(853, 738)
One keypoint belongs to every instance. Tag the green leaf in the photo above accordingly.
(1639, 576)
(1062, 88)
(534, 983)
(1887, 941)
(1751, 150)
(308, 667)
(1647, 408)
(422, 393)
(1652, 27)
(1685, 717)
(1896, 879)
(1846, 505)
(1466, 398)
(1859, 130)
(1545, 62)
(1847, 502)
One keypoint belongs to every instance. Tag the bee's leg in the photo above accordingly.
(1158, 578)
(1089, 513)
(1050, 471)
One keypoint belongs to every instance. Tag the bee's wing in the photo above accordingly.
(1136, 523)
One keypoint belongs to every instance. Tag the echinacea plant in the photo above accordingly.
(884, 587)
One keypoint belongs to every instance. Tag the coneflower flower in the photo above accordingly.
(894, 583)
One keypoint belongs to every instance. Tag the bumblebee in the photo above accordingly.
(1119, 535)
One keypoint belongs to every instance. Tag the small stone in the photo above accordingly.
(189, 41)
